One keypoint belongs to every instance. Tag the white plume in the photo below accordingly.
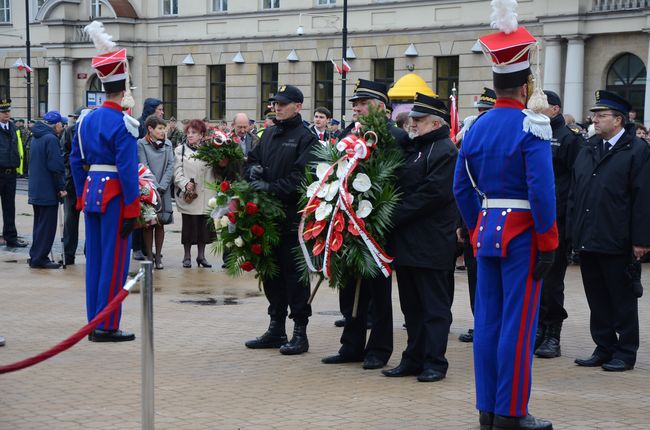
(503, 16)
(100, 38)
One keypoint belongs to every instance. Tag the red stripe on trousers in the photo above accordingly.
(527, 379)
(120, 274)
(116, 255)
(521, 335)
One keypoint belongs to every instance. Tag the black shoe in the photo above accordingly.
(299, 343)
(550, 347)
(372, 362)
(431, 375)
(485, 420)
(539, 335)
(617, 365)
(274, 337)
(68, 262)
(16, 244)
(111, 336)
(528, 422)
(593, 361)
(138, 255)
(48, 265)
(467, 337)
(339, 323)
(340, 359)
(202, 262)
(401, 370)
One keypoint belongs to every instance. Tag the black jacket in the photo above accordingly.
(66, 149)
(566, 144)
(149, 108)
(609, 203)
(46, 176)
(9, 155)
(425, 220)
(283, 151)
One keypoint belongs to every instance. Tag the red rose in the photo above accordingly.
(257, 230)
(256, 248)
(232, 217)
(225, 186)
(251, 208)
(233, 204)
(247, 266)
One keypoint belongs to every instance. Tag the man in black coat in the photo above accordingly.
(424, 240)
(609, 209)
(377, 351)
(567, 141)
(277, 165)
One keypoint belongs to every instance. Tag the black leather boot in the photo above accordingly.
(550, 348)
(298, 343)
(528, 422)
(485, 419)
(539, 336)
(274, 337)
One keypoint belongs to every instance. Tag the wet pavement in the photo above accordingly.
(206, 378)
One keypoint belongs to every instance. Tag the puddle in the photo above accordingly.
(335, 313)
(210, 301)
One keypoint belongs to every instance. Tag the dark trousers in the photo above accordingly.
(353, 339)
(287, 289)
(8, 200)
(551, 310)
(43, 234)
(137, 240)
(470, 266)
(70, 227)
(425, 299)
(614, 320)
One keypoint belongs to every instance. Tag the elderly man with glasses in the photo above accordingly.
(608, 225)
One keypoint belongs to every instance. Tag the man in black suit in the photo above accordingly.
(609, 209)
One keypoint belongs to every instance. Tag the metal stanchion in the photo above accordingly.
(147, 348)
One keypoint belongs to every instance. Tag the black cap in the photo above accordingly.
(370, 90)
(426, 105)
(606, 100)
(487, 99)
(5, 105)
(269, 114)
(288, 94)
(553, 98)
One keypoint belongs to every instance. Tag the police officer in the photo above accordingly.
(609, 213)
(377, 351)
(565, 145)
(424, 240)
(277, 165)
(11, 164)
(504, 189)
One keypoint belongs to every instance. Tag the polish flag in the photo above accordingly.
(22, 66)
(453, 113)
(345, 68)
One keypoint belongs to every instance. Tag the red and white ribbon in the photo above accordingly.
(147, 178)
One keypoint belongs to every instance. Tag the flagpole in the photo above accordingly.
(344, 49)
(29, 61)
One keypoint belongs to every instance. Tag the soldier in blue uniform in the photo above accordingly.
(504, 189)
(104, 163)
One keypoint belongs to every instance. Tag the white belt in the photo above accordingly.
(505, 203)
(103, 168)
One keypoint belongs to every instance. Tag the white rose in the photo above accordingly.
(224, 221)
(239, 242)
(361, 183)
(217, 224)
(212, 202)
(323, 211)
(365, 208)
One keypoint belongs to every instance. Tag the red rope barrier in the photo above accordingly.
(72, 340)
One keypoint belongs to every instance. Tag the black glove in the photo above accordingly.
(128, 225)
(544, 263)
(256, 172)
(260, 185)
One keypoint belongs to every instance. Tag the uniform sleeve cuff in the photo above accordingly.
(549, 240)
(132, 210)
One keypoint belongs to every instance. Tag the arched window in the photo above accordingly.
(627, 78)
(95, 84)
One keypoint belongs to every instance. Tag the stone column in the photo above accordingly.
(67, 87)
(574, 77)
(53, 81)
(553, 64)
(646, 105)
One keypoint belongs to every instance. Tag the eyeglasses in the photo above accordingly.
(601, 115)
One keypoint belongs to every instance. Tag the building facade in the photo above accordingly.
(213, 58)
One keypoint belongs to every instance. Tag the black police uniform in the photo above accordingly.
(423, 244)
(609, 209)
(71, 214)
(9, 162)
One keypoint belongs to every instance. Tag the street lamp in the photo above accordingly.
(29, 62)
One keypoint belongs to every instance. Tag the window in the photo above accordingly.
(41, 91)
(324, 85)
(217, 92)
(5, 93)
(169, 90)
(384, 71)
(446, 76)
(170, 7)
(326, 2)
(95, 84)
(5, 10)
(95, 9)
(269, 84)
(219, 5)
(627, 77)
(270, 4)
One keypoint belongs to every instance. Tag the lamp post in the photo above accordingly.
(29, 61)
(344, 49)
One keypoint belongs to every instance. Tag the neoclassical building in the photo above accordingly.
(213, 58)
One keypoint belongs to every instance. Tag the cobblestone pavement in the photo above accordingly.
(206, 379)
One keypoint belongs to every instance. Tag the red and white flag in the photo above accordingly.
(22, 66)
(453, 113)
(344, 68)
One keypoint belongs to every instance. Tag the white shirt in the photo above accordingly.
(614, 139)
